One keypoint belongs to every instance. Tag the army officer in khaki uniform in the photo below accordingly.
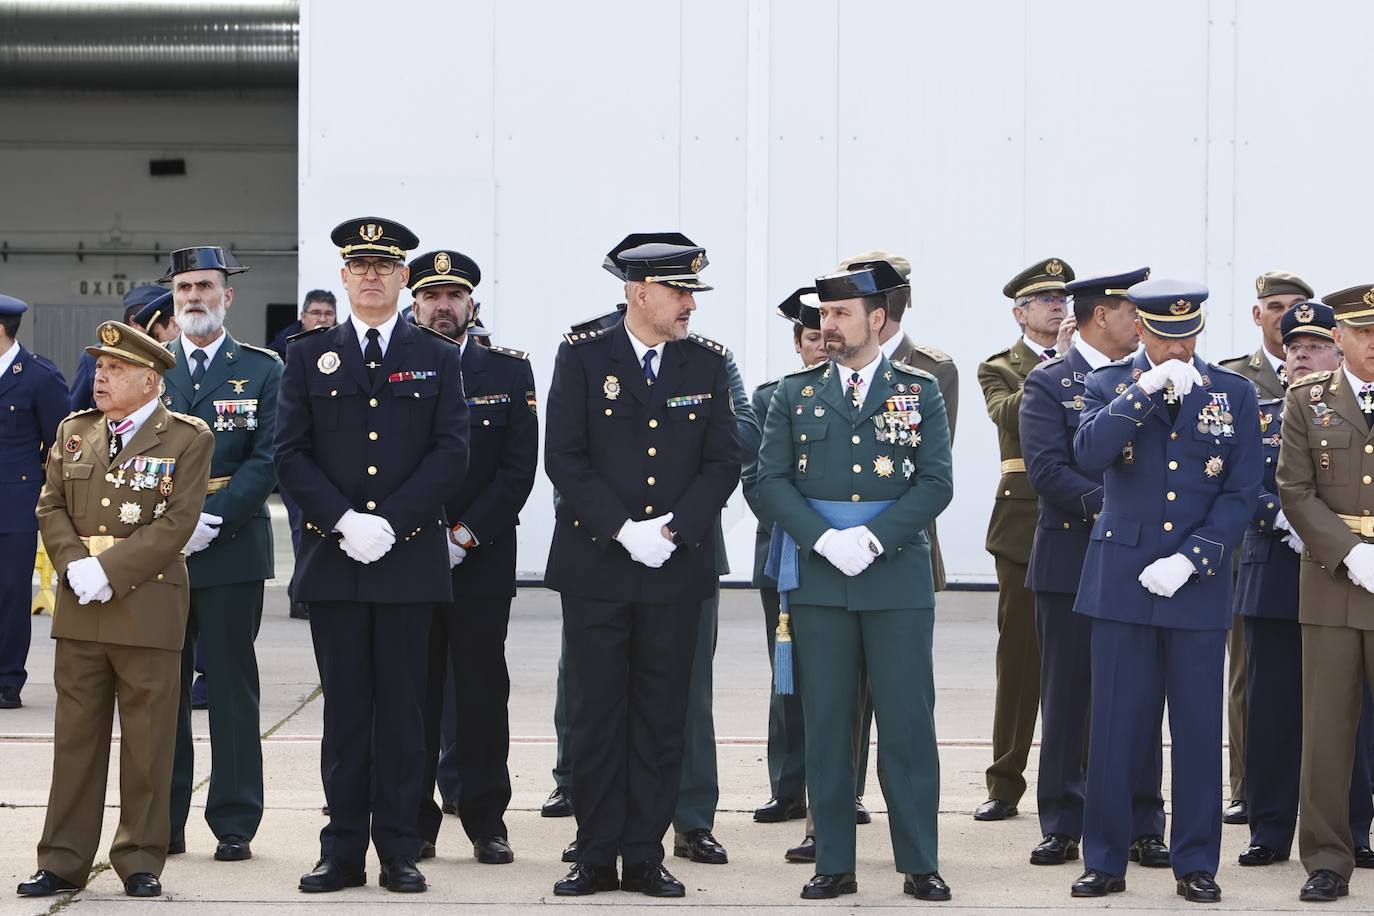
(125, 484)
(1326, 486)
(1039, 305)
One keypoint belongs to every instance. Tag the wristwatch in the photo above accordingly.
(463, 537)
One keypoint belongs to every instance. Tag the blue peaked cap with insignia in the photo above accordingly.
(138, 297)
(1107, 285)
(1170, 308)
(157, 309)
(1308, 317)
(12, 306)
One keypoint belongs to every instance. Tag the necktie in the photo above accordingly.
(1283, 376)
(1367, 402)
(649, 375)
(1048, 354)
(117, 431)
(855, 383)
(372, 354)
(197, 373)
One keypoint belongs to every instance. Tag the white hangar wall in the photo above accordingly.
(1209, 140)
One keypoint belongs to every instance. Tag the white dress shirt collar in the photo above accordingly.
(1274, 361)
(189, 346)
(8, 357)
(1095, 357)
(865, 375)
(384, 332)
(139, 417)
(892, 344)
(1034, 347)
(642, 348)
(1356, 383)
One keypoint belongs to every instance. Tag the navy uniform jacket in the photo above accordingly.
(237, 399)
(619, 449)
(1070, 496)
(1268, 581)
(81, 396)
(33, 400)
(503, 432)
(398, 449)
(1171, 487)
(284, 336)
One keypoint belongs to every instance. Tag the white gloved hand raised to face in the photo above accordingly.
(1183, 376)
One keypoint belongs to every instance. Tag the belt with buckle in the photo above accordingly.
(217, 484)
(1014, 466)
(1363, 525)
(99, 543)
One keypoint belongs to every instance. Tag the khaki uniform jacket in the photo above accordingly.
(1326, 469)
(1257, 369)
(146, 569)
(940, 365)
(1011, 530)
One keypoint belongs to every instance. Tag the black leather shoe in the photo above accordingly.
(861, 815)
(400, 876)
(332, 874)
(9, 698)
(1323, 886)
(805, 851)
(448, 807)
(492, 850)
(1094, 883)
(233, 848)
(1364, 857)
(176, 847)
(570, 852)
(926, 887)
(1150, 852)
(558, 804)
(777, 810)
(1054, 849)
(994, 809)
(44, 884)
(651, 880)
(1199, 887)
(300, 610)
(1238, 812)
(1261, 855)
(142, 884)
(428, 850)
(587, 879)
(699, 846)
(828, 887)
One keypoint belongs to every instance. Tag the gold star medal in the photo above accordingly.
(883, 466)
(1213, 466)
(611, 387)
(130, 513)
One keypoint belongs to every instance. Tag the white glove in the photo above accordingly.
(1165, 576)
(366, 538)
(645, 541)
(87, 578)
(1294, 542)
(456, 554)
(845, 551)
(207, 529)
(869, 541)
(1183, 376)
(1359, 565)
(1281, 522)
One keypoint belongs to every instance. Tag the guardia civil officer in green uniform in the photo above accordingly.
(1276, 291)
(855, 465)
(1039, 307)
(232, 386)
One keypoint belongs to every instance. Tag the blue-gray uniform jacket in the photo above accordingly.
(397, 448)
(1070, 496)
(1268, 582)
(33, 400)
(1186, 486)
(237, 399)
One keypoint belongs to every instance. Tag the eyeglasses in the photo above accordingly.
(359, 267)
(1050, 299)
(1313, 348)
(321, 313)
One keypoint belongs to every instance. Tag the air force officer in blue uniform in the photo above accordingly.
(1070, 501)
(1178, 440)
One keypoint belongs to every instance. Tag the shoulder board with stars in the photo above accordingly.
(509, 351)
(1312, 377)
(1234, 361)
(1227, 371)
(771, 383)
(811, 368)
(190, 420)
(911, 370)
(1000, 354)
(940, 356)
(261, 351)
(299, 334)
(581, 337)
(708, 343)
(80, 413)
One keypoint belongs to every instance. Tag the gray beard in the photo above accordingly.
(201, 325)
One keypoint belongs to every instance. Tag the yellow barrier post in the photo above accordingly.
(45, 600)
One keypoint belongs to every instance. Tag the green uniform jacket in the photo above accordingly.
(1257, 369)
(749, 483)
(941, 365)
(237, 399)
(1015, 509)
(816, 446)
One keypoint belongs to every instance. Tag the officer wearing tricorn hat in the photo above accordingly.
(124, 490)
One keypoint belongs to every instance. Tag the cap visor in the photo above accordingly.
(696, 285)
(1176, 330)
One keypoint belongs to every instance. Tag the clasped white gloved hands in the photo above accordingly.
(207, 529)
(850, 550)
(366, 538)
(1183, 376)
(645, 541)
(87, 578)
(1166, 575)
(1291, 539)
(456, 553)
(1359, 566)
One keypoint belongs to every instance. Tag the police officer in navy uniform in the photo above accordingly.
(1267, 605)
(372, 440)
(1070, 500)
(33, 400)
(83, 380)
(468, 640)
(233, 387)
(642, 448)
(1178, 441)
